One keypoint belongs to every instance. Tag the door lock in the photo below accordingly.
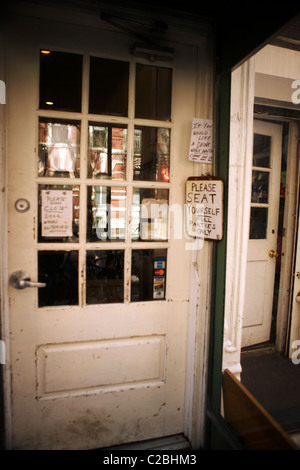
(273, 254)
(21, 279)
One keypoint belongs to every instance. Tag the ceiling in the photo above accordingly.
(240, 29)
(289, 37)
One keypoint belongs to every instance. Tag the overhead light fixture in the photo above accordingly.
(45, 51)
(152, 52)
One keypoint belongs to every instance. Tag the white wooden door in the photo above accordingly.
(97, 356)
(262, 244)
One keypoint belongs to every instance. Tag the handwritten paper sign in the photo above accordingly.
(204, 208)
(57, 213)
(201, 148)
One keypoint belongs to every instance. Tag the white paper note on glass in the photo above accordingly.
(57, 213)
(201, 146)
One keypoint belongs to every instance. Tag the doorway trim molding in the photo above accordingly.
(239, 191)
(289, 239)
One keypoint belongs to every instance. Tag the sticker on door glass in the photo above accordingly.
(159, 278)
(57, 213)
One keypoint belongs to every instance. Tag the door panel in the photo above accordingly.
(98, 356)
(255, 282)
(260, 271)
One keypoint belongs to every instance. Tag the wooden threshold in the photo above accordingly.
(176, 442)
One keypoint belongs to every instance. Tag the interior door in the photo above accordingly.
(262, 244)
(96, 138)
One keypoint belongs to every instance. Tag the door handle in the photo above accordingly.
(21, 279)
(273, 254)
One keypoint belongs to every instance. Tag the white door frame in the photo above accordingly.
(239, 191)
(288, 241)
(240, 163)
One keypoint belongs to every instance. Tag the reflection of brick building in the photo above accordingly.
(107, 151)
(151, 154)
(76, 201)
(108, 211)
(59, 153)
(119, 150)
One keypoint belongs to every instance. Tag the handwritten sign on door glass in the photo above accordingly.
(57, 213)
(204, 208)
(201, 147)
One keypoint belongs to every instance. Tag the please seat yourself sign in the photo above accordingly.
(204, 207)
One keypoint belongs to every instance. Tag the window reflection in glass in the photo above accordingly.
(151, 154)
(148, 275)
(104, 276)
(153, 92)
(150, 214)
(59, 148)
(106, 216)
(258, 223)
(59, 270)
(109, 81)
(58, 213)
(260, 186)
(107, 151)
(60, 81)
(261, 150)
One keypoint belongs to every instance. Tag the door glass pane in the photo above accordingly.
(153, 92)
(109, 81)
(58, 219)
(104, 276)
(60, 81)
(106, 213)
(261, 150)
(148, 275)
(150, 214)
(59, 148)
(151, 154)
(107, 151)
(258, 222)
(59, 270)
(260, 186)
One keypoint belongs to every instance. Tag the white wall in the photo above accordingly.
(276, 68)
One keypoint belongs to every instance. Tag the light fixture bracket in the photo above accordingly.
(152, 52)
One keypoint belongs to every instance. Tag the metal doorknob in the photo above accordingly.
(21, 279)
(273, 254)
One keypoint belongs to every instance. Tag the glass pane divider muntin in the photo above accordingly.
(63, 115)
(260, 204)
(127, 274)
(85, 84)
(82, 276)
(262, 169)
(131, 90)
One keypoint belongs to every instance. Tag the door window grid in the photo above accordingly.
(129, 184)
(261, 179)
